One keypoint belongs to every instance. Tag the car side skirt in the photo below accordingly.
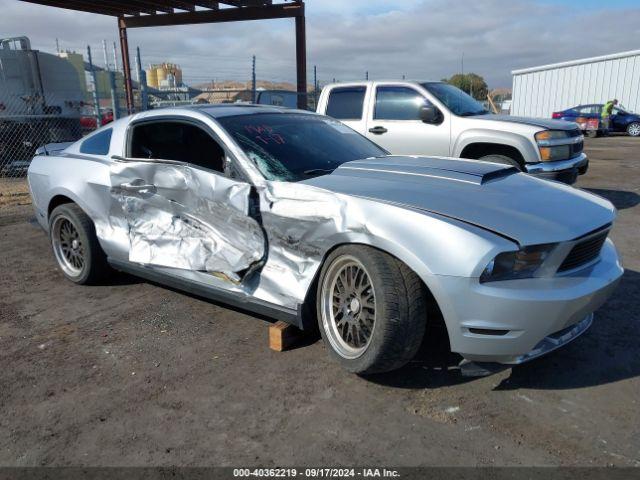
(293, 317)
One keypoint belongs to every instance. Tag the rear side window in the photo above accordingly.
(345, 103)
(398, 103)
(589, 109)
(97, 144)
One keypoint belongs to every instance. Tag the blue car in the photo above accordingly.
(621, 120)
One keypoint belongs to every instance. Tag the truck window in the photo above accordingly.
(345, 103)
(398, 103)
(97, 144)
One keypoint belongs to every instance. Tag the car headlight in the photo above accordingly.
(548, 145)
(522, 263)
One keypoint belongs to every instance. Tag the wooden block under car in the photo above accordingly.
(283, 336)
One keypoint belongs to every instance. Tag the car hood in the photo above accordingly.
(536, 122)
(491, 196)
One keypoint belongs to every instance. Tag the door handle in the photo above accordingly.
(378, 130)
(138, 186)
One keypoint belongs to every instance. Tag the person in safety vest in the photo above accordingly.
(605, 116)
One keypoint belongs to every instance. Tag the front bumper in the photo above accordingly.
(555, 340)
(565, 171)
(517, 320)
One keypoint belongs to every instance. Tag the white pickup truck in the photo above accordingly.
(438, 119)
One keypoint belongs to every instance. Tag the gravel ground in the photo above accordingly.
(131, 373)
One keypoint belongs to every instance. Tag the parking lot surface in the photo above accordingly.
(131, 373)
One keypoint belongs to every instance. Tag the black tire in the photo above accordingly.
(633, 129)
(93, 266)
(502, 159)
(591, 133)
(400, 313)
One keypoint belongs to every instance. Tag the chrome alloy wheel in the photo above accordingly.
(348, 307)
(634, 129)
(67, 246)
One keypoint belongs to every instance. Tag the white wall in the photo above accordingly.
(539, 91)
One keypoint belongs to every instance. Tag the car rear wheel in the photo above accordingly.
(371, 309)
(75, 245)
(634, 129)
(502, 159)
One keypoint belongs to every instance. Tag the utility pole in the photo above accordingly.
(96, 101)
(114, 95)
(137, 60)
(142, 82)
(57, 46)
(462, 80)
(115, 57)
(315, 86)
(366, 76)
(106, 58)
(254, 95)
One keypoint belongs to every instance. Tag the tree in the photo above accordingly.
(470, 83)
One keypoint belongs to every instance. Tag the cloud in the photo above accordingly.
(420, 39)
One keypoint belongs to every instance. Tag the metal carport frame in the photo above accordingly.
(157, 13)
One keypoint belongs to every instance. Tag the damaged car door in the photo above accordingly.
(183, 204)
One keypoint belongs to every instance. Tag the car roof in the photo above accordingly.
(234, 109)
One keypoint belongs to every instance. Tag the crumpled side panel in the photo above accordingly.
(194, 220)
(301, 222)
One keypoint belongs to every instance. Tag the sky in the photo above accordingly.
(420, 39)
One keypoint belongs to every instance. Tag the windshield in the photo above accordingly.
(297, 146)
(455, 99)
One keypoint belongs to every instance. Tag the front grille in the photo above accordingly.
(584, 252)
(576, 149)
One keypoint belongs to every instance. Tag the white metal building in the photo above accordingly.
(539, 91)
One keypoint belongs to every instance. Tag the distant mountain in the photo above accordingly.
(235, 85)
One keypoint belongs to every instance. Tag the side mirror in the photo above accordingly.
(429, 114)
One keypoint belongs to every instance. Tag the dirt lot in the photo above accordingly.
(134, 374)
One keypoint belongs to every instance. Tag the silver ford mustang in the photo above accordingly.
(296, 216)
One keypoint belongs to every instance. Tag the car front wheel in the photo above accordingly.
(75, 245)
(634, 129)
(371, 309)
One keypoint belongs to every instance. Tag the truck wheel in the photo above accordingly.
(75, 245)
(502, 159)
(371, 309)
(634, 129)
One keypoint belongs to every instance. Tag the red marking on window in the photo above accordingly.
(258, 129)
(265, 134)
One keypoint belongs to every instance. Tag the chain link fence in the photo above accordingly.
(53, 98)
(42, 100)
(28, 123)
